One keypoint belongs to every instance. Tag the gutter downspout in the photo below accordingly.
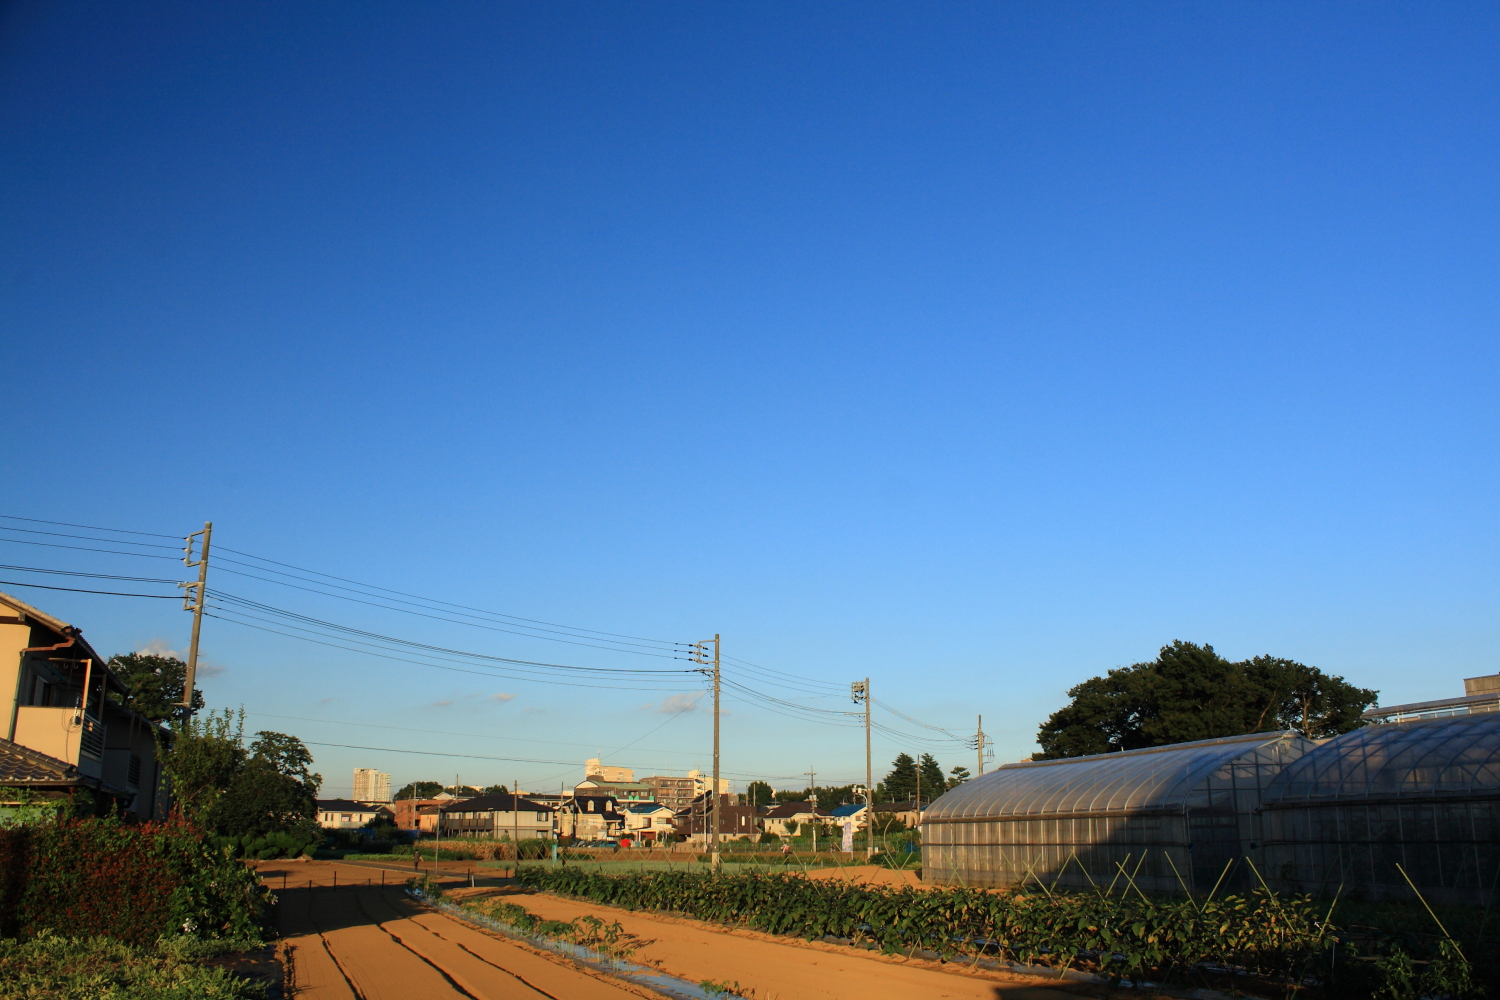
(15, 705)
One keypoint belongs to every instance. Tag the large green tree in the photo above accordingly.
(901, 784)
(155, 684)
(1189, 692)
(420, 790)
(759, 794)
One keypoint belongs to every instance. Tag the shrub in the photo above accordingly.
(133, 883)
(101, 969)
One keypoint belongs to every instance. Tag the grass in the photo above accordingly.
(60, 968)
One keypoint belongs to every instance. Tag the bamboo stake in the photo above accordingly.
(1180, 880)
(1434, 916)
(1111, 889)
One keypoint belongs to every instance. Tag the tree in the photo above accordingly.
(787, 795)
(274, 791)
(468, 791)
(901, 784)
(420, 790)
(202, 759)
(155, 684)
(957, 776)
(933, 782)
(1189, 692)
(758, 794)
(496, 790)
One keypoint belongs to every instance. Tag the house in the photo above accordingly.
(648, 821)
(346, 814)
(590, 817)
(784, 819)
(409, 814)
(61, 732)
(672, 792)
(496, 816)
(735, 821)
(855, 813)
(891, 816)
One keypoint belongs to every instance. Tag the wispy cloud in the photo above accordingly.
(500, 698)
(673, 704)
(444, 703)
(326, 701)
(161, 647)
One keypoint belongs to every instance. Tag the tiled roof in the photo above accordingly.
(495, 803)
(346, 805)
(645, 807)
(849, 810)
(20, 765)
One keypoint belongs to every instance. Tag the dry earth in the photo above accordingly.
(367, 942)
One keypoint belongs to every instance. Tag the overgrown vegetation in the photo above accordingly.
(243, 794)
(98, 968)
(1119, 934)
(587, 931)
(131, 882)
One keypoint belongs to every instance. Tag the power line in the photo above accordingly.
(80, 590)
(88, 538)
(96, 576)
(451, 621)
(431, 600)
(85, 548)
(86, 527)
(492, 672)
(350, 630)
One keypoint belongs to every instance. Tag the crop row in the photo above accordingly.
(1121, 936)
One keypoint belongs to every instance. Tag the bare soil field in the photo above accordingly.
(363, 941)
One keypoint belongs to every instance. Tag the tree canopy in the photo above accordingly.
(237, 791)
(155, 684)
(419, 790)
(958, 776)
(759, 793)
(901, 783)
(933, 783)
(1189, 692)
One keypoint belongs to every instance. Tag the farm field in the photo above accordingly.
(366, 942)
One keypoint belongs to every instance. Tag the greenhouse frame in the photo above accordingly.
(1421, 794)
(1167, 819)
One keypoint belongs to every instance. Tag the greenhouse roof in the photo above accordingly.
(1154, 779)
(1423, 758)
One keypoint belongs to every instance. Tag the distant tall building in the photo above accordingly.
(678, 793)
(593, 769)
(371, 785)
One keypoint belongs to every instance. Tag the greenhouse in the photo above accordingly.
(1424, 795)
(1167, 819)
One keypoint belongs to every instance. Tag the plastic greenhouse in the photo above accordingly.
(1168, 818)
(1422, 794)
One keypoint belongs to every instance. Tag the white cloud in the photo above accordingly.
(160, 647)
(500, 698)
(672, 704)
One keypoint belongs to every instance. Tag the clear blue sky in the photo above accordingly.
(979, 348)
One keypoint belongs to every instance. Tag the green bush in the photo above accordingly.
(1117, 935)
(279, 844)
(134, 883)
(98, 968)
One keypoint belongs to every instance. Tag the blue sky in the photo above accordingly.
(976, 348)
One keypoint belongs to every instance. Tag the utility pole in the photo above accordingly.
(860, 692)
(980, 741)
(194, 597)
(700, 655)
(515, 823)
(812, 796)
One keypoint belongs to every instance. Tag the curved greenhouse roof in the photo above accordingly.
(1457, 756)
(1152, 780)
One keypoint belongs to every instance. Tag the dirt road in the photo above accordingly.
(362, 942)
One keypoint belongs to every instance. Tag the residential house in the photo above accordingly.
(785, 818)
(735, 821)
(893, 816)
(497, 816)
(346, 814)
(590, 817)
(408, 814)
(856, 813)
(65, 729)
(648, 821)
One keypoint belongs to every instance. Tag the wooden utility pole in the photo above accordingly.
(515, 824)
(700, 655)
(194, 597)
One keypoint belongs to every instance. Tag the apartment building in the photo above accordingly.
(371, 785)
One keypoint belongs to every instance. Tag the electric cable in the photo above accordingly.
(85, 548)
(86, 527)
(80, 590)
(91, 538)
(96, 576)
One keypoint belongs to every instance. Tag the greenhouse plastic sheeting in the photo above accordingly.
(1423, 794)
(1166, 818)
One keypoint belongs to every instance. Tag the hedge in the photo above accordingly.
(135, 883)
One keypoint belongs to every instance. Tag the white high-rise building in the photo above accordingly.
(371, 785)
